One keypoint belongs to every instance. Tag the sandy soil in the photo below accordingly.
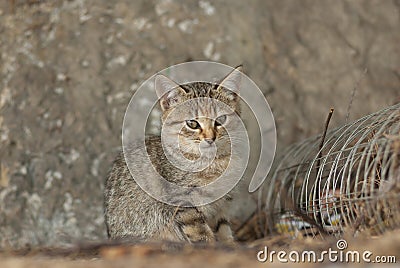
(168, 255)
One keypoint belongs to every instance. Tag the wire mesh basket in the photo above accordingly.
(348, 183)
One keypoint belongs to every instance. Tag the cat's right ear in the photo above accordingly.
(232, 83)
(168, 92)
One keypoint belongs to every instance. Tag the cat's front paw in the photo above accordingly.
(198, 232)
(192, 226)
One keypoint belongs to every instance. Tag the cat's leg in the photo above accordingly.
(223, 232)
(191, 225)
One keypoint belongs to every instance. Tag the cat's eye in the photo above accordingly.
(220, 120)
(193, 124)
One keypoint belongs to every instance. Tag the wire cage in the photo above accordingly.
(350, 182)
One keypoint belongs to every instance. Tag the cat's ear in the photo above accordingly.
(168, 92)
(232, 83)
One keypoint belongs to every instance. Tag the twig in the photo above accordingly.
(328, 119)
(353, 93)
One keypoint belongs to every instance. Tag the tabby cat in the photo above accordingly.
(131, 213)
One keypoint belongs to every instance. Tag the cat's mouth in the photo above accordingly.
(209, 149)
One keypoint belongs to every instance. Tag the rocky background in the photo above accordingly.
(68, 69)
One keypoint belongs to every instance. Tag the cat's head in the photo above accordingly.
(198, 114)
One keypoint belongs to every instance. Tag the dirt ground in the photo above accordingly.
(385, 248)
(68, 69)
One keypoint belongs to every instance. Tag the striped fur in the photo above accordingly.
(130, 212)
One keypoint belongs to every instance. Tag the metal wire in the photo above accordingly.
(353, 187)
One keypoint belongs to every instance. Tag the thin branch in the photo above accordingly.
(328, 119)
(353, 94)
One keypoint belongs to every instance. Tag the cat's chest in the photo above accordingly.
(209, 174)
(216, 167)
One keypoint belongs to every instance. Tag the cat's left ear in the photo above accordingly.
(232, 83)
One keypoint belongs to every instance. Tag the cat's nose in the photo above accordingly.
(210, 141)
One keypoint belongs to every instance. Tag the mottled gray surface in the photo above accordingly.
(68, 69)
